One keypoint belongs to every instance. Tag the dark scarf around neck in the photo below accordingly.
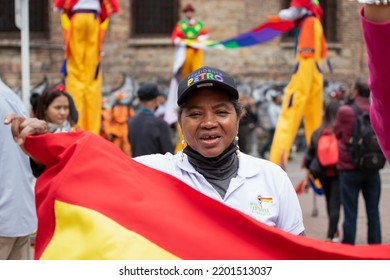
(219, 170)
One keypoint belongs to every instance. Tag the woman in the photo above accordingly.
(328, 177)
(57, 108)
(209, 114)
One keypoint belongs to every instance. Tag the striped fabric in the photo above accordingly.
(261, 34)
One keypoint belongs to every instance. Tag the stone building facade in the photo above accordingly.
(151, 57)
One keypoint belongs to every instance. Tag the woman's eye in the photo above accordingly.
(222, 113)
(195, 114)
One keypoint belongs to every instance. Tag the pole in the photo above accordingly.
(25, 49)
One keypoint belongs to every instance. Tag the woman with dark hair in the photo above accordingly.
(57, 108)
(328, 176)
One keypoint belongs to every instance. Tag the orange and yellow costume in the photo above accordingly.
(84, 32)
(118, 124)
(304, 93)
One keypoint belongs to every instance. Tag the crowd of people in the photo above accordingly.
(215, 124)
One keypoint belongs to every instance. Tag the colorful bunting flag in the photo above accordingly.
(261, 34)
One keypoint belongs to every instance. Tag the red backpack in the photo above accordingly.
(327, 149)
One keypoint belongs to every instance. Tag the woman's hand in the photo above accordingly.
(21, 127)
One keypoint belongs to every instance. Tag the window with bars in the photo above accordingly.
(38, 18)
(153, 18)
(329, 20)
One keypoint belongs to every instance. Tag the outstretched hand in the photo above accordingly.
(21, 127)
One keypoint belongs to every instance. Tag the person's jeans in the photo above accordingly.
(351, 182)
(331, 187)
(268, 144)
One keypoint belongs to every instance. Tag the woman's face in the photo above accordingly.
(209, 122)
(58, 110)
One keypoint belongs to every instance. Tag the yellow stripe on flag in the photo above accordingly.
(79, 230)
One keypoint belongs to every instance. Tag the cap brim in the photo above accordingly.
(208, 84)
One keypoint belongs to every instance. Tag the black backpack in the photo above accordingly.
(364, 148)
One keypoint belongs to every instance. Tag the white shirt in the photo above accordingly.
(17, 202)
(273, 114)
(261, 189)
(87, 5)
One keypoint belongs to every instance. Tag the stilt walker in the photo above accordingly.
(187, 59)
(84, 24)
(304, 94)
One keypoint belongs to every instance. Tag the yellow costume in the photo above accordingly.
(84, 31)
(304, 94)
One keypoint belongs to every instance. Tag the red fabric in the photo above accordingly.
(301, 3)
(86, 170)
(315, 10)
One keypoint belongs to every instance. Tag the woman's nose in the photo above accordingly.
(209, 121)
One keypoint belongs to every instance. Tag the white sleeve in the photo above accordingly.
(290, 214)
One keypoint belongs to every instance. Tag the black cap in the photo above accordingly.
(206, 77)
(148, 91)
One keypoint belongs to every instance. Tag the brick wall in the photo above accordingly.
(151, 59)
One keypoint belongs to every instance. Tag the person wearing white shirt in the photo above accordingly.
(17, 203)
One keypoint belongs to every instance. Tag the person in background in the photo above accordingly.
(248, 124)
(376, 30)
(192, 29)
(105, 119)
(303, 97)
(186, 58)
(34, 97)
(118, 128)
(352, 179)
(328, 177)
(149, 134)
(84, 24)
(273, 113)
(57, 108)
(17, 202)
(209, 113)
(160, 111)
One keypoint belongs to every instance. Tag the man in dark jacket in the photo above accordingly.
(149, 134)
(352, 179)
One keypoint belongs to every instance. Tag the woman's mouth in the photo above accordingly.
(210, 140)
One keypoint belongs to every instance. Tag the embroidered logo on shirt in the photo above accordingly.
(264, 199)
(260, 208)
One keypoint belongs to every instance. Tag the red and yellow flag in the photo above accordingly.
(94, 202)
